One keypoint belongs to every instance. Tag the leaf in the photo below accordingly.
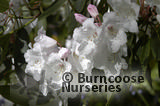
(13, 95)
(154, 72)
(138, 2)
(53, 8)
(3, 39)
(4, 43)
(42, 22)
(71, 22)
(46, 3)
(103, 6)
(155, 77)
(21, 43)
(4, 5)
(78, 4)
(155, 48)
(144, 52)
(156, 84)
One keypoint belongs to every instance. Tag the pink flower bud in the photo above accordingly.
(97, 24)
(80, 18)
(92, 9)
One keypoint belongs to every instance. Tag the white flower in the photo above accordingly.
(45, 41)
(131, 26)
(99, 47)
(125, 8)
(64, 53)
(68, 43)
(86, 63)
(80, 63)
(86, 48)
(127, 12)
(35, 62)
(83, 45)
(124, 64)
(118, 41)
(87, 32)
(45, 62)
(55, 68)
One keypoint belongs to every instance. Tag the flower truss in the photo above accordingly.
(95, 44)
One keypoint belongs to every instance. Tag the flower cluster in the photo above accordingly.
(95, 44)
(47, 58)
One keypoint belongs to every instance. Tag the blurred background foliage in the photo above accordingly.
(57, 17)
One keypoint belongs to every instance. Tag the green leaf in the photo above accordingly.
(103, 6)
(53, 8)
(144, 52)
(155, 48)
(4, 43)
(155, 77)
(12, 94)
(46, 3)
(138, 2)
(20, 47)
(154, 72)
(71, 22)
(4, 5)
(79, 5)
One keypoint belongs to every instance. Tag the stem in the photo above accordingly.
(72, 7)
(84, 5)
(19, 17)
(99, 20)
(146, 28)
(23, 25)
(159, 68)
(107, 104)
(15, 17)
(155, 31)
(142, 7)
(144, 100)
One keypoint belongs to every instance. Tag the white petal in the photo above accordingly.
(44, 88)
(64, 52)
(158, 18)
(131, 26)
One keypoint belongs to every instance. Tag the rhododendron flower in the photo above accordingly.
(45, 59)
(118, 41)
(125, 8)
(95, 44)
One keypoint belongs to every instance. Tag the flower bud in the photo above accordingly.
(92, 9)
(80, 18)
(97, 24)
